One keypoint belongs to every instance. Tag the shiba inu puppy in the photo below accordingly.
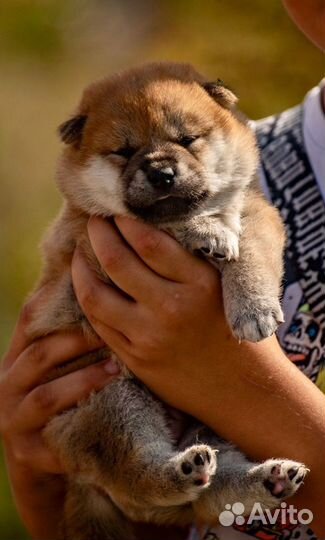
(161, 144)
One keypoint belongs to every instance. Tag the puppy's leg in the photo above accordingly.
(249, 254)
(252, 284)
(119, 441)
(241, 481)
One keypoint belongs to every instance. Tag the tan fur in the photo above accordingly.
(161, 144)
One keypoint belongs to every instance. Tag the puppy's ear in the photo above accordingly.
(221, 94)
(70, 132)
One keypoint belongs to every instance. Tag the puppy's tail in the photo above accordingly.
(91, 515)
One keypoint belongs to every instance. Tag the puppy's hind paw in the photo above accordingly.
(195, 467)
(275, 480)
(283, 478)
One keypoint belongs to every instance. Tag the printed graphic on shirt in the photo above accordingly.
(301, 335)
(256, 529)
(279, 531)
(264, 532)
(294, 191)
(304, 341)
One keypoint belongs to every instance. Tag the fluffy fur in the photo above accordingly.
(162, 144)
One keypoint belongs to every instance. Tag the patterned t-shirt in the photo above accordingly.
(292, 146)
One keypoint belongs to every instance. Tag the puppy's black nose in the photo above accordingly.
(163, 178)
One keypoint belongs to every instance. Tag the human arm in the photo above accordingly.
(171, 332)
(26, 404)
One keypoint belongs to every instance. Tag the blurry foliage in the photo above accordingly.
(31, 28)
(49, 49)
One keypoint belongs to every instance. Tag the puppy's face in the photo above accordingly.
(156, 143)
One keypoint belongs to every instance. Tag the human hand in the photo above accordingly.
(26, 405)
(164, 318)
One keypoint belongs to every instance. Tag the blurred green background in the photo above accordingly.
(49, 50)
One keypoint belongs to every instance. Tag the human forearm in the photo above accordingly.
(258, 381)
(266, 406)
(39, 499)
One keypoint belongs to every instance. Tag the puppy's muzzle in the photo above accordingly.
(161, 178)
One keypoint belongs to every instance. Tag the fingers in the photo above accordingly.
(56, 396)
(159, 251)
(121, 264)
(101, 302)
(116, 341)
(45, 354)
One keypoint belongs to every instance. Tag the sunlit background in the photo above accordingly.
(50, 49)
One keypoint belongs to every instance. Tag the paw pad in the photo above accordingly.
(285, 478)
(198, 465)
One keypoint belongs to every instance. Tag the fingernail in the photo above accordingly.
(112, 367)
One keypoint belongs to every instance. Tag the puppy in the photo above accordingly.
(162, 144)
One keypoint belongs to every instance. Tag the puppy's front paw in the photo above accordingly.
(254, 321)
(220, 244)
(224, 247)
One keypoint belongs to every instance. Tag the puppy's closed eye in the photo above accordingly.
(126, 152)
(187, 140)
